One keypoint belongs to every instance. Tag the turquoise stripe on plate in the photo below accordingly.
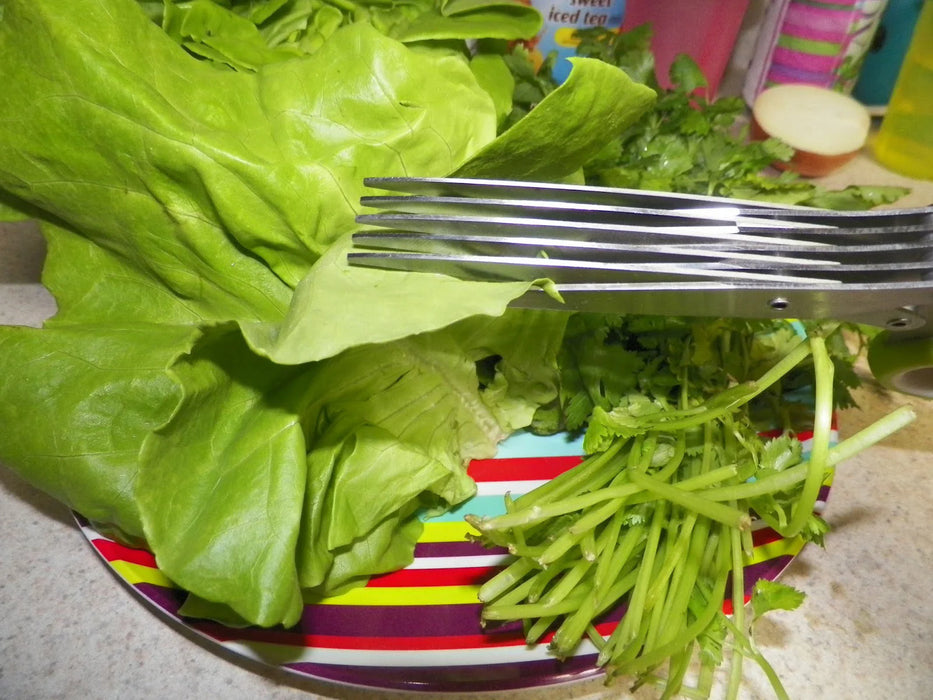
(523, 444)
(478, 505)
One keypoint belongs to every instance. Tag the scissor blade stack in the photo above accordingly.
(630, 250)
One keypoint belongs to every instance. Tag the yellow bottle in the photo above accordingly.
(905, 139)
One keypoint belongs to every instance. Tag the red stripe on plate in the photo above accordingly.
(765, 535)
(406, 578)
(727, 604)
(112, 551)
(802, 435)
(521, 468)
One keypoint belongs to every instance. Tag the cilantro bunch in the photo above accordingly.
(653, 529)
(689, 142)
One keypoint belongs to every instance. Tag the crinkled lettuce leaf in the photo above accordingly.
(76, 404)
(567, 128)
(221, 484)
(493, 74)
(247, 34)
(374, 306)
(472, 19)
(217, 381)
(551, 143)
(271, 478)
(189, 172)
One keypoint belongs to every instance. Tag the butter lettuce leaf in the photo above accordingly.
(397, 421)
(218, 382)
(499, 19)
(247, 34)
(269, 479)
(551, 143)
(76, 404)
(567, 128)
(407, 303)
(188, 172)
(221, 484)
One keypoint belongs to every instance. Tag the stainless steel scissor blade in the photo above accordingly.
(654, 252)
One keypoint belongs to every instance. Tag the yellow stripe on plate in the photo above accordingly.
(137, 573)
(772, 550)
(447, 532)
(428, 595)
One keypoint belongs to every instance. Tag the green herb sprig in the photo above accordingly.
(691, 141)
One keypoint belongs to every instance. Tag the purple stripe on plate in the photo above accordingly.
(455, 549)
(391, 620)
(169, 599)
(406, 620)
(489, 677)
(769, 569)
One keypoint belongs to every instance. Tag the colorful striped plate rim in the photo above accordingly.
(418, 629)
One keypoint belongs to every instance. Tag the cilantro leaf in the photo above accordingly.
(772, 595)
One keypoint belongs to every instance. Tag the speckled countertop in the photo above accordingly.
(70, 629)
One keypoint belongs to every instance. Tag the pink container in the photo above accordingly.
(706, 30)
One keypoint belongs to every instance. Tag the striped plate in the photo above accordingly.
(418, 629)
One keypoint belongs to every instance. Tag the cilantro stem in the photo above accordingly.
(685, 580)
(743, 642)
(822, 427)
(727, 515)
(783, 480)
(609, 567)
(627, 631)
(540, 513)
(794, 357)
(505, 579)
(521, 611)
(738, 610)
(675, 555)
(705, 479)
(633, 537)
(571, 631)
(568, 582)
(577, 531)
(612, 533)
(654, 601)
(679, 664)
(658, 654)
(582, 477)
(543, 578)
(539, 628)
(868, 436)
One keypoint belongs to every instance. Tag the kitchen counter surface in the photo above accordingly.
(70, 629)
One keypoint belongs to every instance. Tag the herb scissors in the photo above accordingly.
(635, 251)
